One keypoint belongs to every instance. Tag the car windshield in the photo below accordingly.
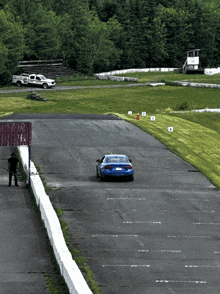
(43, 77)
(117, 160)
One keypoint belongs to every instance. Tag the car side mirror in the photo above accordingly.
(98, 160)
(130, 160)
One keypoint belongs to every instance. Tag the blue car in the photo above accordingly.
(114, 166)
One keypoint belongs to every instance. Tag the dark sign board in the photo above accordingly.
(15, 133)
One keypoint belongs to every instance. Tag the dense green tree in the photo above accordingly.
(107, 10)
(67, 36)
(72, 7)
(3, 56)
(46, 42)
(12, 45)
(178, 36)
(115, 32)
(23, 10)
(141, 31)
(78, 45)
(2, 4)
(94, 5)
(155, 36)
(206, 24)
(104, 54)
(41, 35)
(100, 35)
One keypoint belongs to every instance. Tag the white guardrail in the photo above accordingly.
(212, 71)
(68, 267)
(110, 75)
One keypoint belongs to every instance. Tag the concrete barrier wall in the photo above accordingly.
(212, 71)
(198, 85)
(23, 150)
(110, 75)
(68, 267)
(115, 78)
(132, 70)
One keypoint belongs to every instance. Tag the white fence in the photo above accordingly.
(68, 267)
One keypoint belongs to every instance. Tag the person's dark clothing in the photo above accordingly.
(15, 178)
(13, 162)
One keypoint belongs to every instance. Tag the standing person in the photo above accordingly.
(13, 164)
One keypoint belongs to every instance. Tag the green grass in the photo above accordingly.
(172, 76)
(87, 82)
(8, 87)
(5, 113)
(121, 100)
(205, 119)
(195, 143)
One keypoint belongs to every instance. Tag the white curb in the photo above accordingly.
(198, 85)
(68, 267)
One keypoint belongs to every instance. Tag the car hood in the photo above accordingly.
(49, 80)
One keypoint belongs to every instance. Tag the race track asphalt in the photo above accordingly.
(61, 88)
(156, 235)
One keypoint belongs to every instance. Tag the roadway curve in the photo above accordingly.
(158, 234)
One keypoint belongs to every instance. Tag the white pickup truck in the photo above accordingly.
(33, 80)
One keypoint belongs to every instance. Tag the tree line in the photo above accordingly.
(102, 35)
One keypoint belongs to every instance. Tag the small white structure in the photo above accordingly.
(192, 60)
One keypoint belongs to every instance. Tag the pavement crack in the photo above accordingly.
(121, 215)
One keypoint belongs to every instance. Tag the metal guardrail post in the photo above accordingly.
(29, 165)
